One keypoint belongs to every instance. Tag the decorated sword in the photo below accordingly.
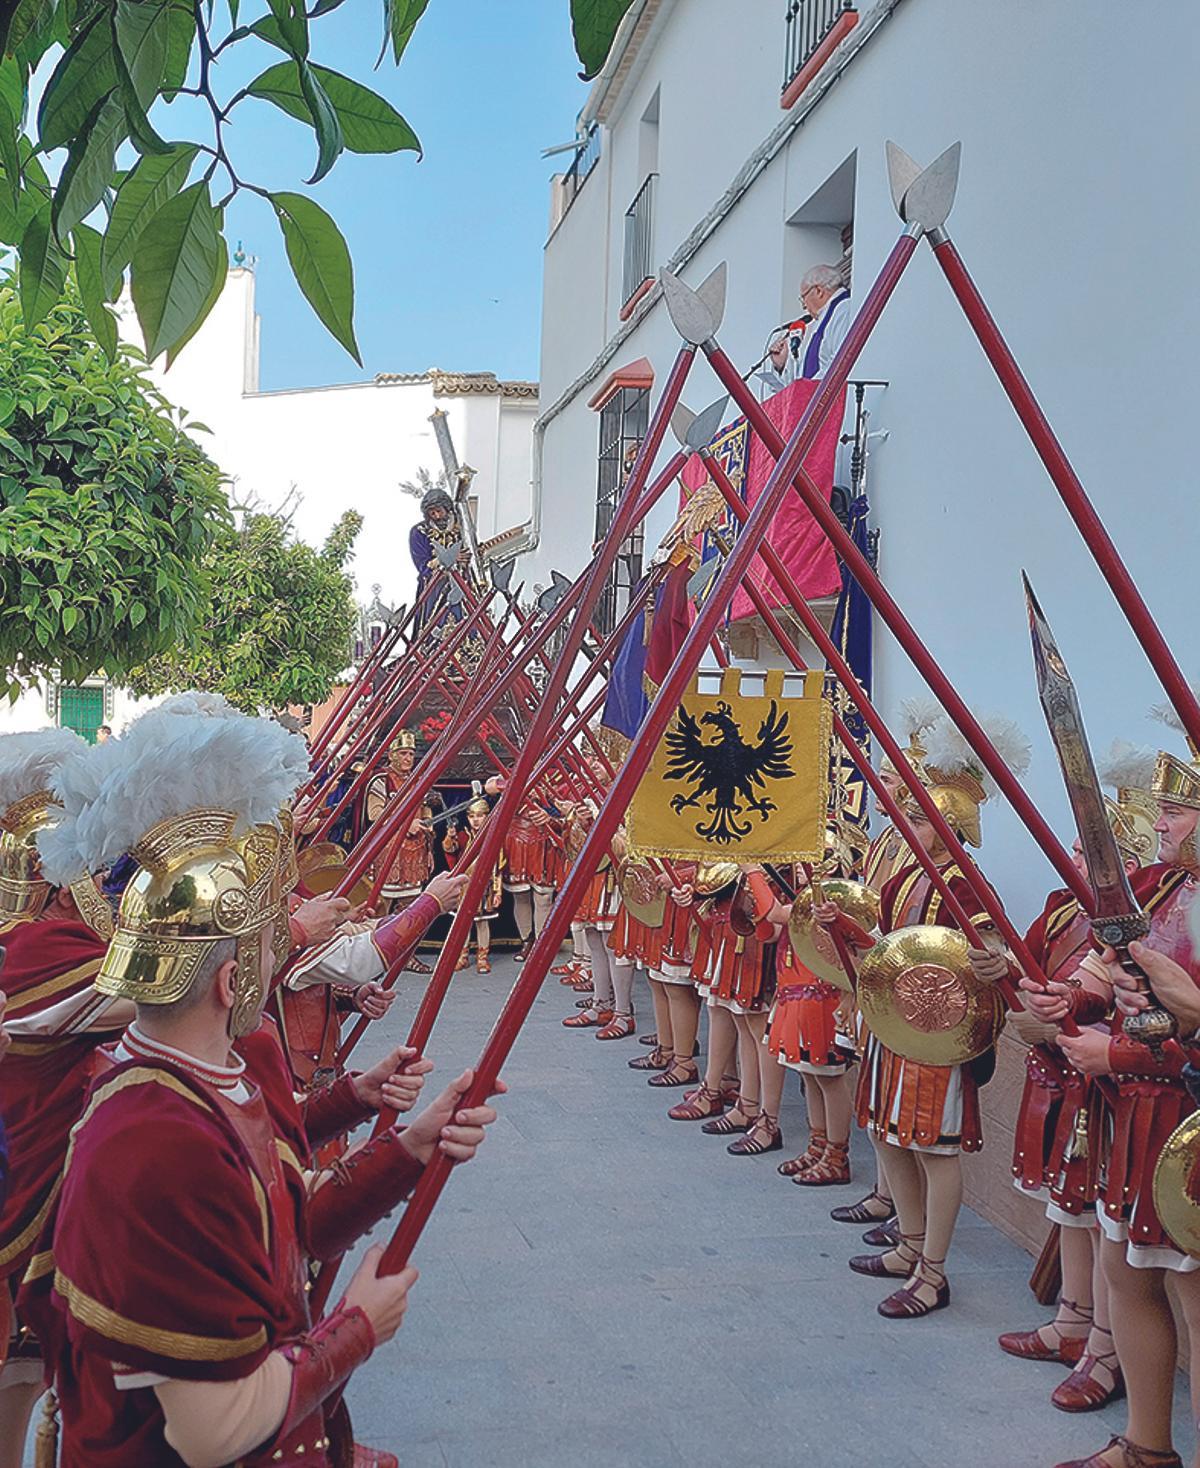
(1117, 920)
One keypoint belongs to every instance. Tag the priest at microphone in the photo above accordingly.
(806, 351)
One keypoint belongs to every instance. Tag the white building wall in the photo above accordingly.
(1076, 215)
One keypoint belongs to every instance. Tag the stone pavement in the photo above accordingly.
(586, 1297)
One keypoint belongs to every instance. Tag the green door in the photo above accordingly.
(81, 709)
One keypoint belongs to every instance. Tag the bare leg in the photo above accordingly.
(722, 1046)
(543, 901)
(773, 1075)
(746, 1108)
(602, 979)
(623, 976)
(579, 943)
(662, 1014)
(684, 1004)
(906, 1185)
(523, 914)
(838, 1105)
(1188, 1286)
(1146, 1345)
(1073, 1319)
(943, 1201)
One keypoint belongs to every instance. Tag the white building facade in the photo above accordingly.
(1073, 214)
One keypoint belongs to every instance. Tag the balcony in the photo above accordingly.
(815, 29)
(638, 273)
(580, 170)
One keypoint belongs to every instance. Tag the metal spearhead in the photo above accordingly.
(711, 291)
(704, 426)
(927, 201)
(690, 313)
(1117, 920)
(548, 600)
(447, 555)
(681, 421)
(454, 597)
(903, 172)
(562, 584)
(502, 573)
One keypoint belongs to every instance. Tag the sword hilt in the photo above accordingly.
(1154, 1025)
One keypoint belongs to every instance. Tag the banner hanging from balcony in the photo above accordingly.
(799, 540)
(742, 774)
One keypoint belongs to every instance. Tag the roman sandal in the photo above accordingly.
(658, 1059)
(907, 1303)
(762, 1135)
(588, 1019)
(648, 1040)
(678, 1073)
(874, 1208)
(831, 1170)
(897, 1263)
(885, 1235)
(726, 1126)
(811, 1155)
(620, 1027)
(700, 1104)
(482, 962)
(1132, 1456)
(1084, 1390)
(1031, 1345)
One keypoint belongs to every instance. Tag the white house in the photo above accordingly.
(754, 134)
(323, 451)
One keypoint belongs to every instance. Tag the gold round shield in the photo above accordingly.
(1174, 1187)
(577, 834)
(711, 876)
(319, 854)
(811, 943)
(324, 879)
(644, 899)
(918, 994)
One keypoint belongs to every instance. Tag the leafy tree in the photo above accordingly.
(280, 622)
(110, 119)
(107, 506)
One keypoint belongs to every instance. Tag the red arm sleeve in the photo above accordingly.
(399, 935)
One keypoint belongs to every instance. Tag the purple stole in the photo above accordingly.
(812, 351)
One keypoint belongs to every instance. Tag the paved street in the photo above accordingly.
(586, 1300)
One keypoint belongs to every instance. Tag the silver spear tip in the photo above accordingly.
(930, 197)
(711, 291)
(681, 422)
(689, 311)
(706, 423)
(903, 172)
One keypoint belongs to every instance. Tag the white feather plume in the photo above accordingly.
(194, 701)
(167, 764)
(1127, 766)
(28, 761)
(919, 713)
(948, 751)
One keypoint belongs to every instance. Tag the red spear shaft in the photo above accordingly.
(672, 689)
(1069, 486)
(864, 573)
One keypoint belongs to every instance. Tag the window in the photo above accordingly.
(624, 419)
(81, 709)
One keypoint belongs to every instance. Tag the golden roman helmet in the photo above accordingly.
(197, 885)
(1176, 781)
(24, 892)
(1129, 770)
(959, 795)
(479, 807)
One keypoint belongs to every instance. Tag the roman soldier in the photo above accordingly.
(187, 1338)
(529, 866)
(678, 1008)
(1137, 1254)
(456, 843)
(597, 914)
(411, 864)
(1062, 1121)
(922, 1117)
(54, 942)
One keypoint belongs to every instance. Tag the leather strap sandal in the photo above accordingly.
(885, 1235)
(763, 1135)
(907, 1304)
(620, 1027)
(833, 1169)
(648, 1040)
(704, 1103)
(877, 1266)
(1083, 1391)
(725, 1126)
(1132, 1456)
(1029, 1345)
(673, 1076)
(874, 1208)
(588, 1018)
(657, 1059)
(811, 1155)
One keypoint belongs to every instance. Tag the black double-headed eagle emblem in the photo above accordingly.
(728, 771)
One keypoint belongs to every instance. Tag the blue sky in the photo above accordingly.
(447, 251)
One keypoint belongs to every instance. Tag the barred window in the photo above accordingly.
(623, 422)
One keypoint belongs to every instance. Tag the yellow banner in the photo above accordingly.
(742, 774)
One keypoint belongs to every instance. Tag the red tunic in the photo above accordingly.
(633, 940)
(44, 1077)
(530, 853)
(740, 970)
(1152, 1099)
(903, 1099)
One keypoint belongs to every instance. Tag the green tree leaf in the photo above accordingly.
(293, 26)
(369, 123)
(146, 188)
(142, 29)
(594, 25)
(400, 20)
(10, 158)
(43, 269)
(181, 36)
(90, 280)
(173, 263)
(89, 166)
(321, 264)
(84, 76)
(324, 121)
(220, 272)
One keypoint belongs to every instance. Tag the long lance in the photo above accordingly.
(413, 698)
(864, 573)
(438, 759)
(982, 892)
(379, 654)
(672, 689)
(1052, 454)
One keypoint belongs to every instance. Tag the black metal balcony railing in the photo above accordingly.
(808, 23)
(639, 222)
(581, 166)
